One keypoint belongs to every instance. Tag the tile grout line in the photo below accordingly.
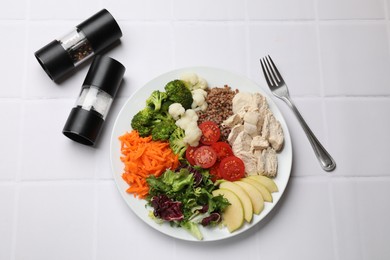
(325, 124)
(387, 21)
(95, 231)
(247, 42)
(18, 173)
(172, 23)
(95, 215)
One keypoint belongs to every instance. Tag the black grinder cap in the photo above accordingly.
(101, 30)
(84, 126)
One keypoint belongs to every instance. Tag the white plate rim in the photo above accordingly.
(216, 78)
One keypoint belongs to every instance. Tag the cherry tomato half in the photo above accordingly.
(215, 174)
(210, 132)
(190, 154)
(232, 168)
(222, 149)
(205, 157)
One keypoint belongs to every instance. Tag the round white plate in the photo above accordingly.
(215, 78)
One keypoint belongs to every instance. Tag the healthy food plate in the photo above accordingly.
(215, 78)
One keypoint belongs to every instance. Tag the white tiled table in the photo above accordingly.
(58, 199)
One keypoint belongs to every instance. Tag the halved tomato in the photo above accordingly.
(215, 174)
(232, 168)
(210, 132)
(222, 149)
(205, 157)
(190, 154)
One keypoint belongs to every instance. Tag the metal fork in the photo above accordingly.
(279, 89)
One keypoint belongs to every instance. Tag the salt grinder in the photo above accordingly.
(99, 89)
(62, 55)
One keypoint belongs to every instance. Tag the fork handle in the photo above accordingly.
(326, 161)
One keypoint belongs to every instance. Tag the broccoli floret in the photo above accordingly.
(143, 121)
(163, 128)
(165, 107)
(178, 92)
(156, 99)
(176, 142)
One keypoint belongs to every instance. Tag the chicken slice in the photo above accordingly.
(259, 101)
(232, 121)
(234, 133)
(250, 129)
(265, 126)
(251, 117)
(270, 162)
(249, 161)
(242, 143)
(240, 100)
(259, 143)
(260, 161)
(276, 137)
(263, 113)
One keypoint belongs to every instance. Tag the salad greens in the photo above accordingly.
(184, 198)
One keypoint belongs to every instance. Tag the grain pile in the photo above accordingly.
(219, 107)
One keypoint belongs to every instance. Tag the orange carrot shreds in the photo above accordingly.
(143, 157)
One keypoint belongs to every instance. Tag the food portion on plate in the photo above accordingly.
(201, 155)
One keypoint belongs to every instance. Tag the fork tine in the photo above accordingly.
(266, 72)
(271, 79)
(275, 69)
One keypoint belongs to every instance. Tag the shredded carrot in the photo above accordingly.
(143, 157)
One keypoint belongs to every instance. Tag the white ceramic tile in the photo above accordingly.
(120, 229)
(10, 115)
(293, 48)
(13, 10)
(146, 51)
(388, 9)
(227, 249)
(7, 219)
(344, 195)
(361, 221)
(13, 57)
(46, 152)
(302, 224)
(355, 58)
(139, 10)
(209, 44)
(373, 217)
(209, 10)
(281, 10)
(60, 10)
(55, 221)
(158, 10)
(351, 9)
(358, 135)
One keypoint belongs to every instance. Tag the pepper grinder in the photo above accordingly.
(62, 55)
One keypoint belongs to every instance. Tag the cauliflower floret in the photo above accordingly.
(183, 122)
(199, 100)
(194, 81)
(176, 110)
(190, 113)
(189, 123)
(190, 77)
(202, 84)
(192, 135)
(187, 118)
